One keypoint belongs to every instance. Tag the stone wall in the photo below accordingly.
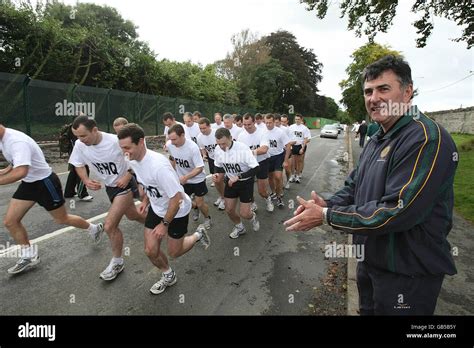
(455, 121)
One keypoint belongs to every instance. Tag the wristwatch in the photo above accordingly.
(166, 223)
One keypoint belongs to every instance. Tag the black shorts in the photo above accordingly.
(210, 161)
(241, 189)
(48, 192)
(295, 149)
(178, 226)
(262, 170)
(132, 186)
(275, 163)
(199, 189)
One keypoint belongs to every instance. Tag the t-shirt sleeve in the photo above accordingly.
(76, 158)
(307, 133)
(284, 138)
(264, 141)
(197, 157)
(21, 154)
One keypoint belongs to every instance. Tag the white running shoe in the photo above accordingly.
(23, 264)
(195, 214)
(253, 207)
(255, 223)
(207, 223)
(88, 198)
(297, 179)
(213, 184)
(112, 271)
(205, 240)
(292, 178)
(97, 236)
(218, 201)
(163, 283)
(222, 205)
(237, 231)
(270, 206)
(287, 186)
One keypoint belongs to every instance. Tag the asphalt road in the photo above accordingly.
(266, 272)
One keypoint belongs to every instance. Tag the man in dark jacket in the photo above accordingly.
(362, 133)
(397, 203)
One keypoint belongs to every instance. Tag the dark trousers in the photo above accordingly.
(74, 182)
(385, 293)
(362, 140)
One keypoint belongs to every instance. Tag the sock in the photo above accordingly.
(240, 225)
(117, 260)
(168, 273)
(92, 228)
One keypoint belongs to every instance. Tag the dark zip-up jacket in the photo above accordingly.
(398, 202)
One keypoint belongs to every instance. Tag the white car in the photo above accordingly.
(329, 131)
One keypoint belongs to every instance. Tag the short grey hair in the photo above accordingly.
(228, 116)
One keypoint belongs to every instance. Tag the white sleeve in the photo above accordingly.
(21, 154)
(76, 158)
(307, 133)
(197, 157)
(199, 142)
(217, 158)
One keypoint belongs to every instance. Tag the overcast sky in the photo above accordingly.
(200, 31)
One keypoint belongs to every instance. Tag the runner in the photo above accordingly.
(207, 143)
(285, 126)
(196, 116)
(236, 165)
(238, 121)
(218, 121)
(279, 151)
(189, 165)
(102, 153)
(39, 184)
(233, 129)
(191, 128)
(169, 120)
(301, 135)
(259, 122)
(168, 205)
(119, 122)
(257, 141)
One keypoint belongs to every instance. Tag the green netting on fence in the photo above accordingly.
(40, 108)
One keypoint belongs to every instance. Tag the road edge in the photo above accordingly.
(352, 291)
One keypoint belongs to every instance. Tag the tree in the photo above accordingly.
(374, 16)
(301, 90)
(352, 93)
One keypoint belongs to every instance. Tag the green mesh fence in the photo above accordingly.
(40, 108)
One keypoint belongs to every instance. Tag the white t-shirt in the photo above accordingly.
(188, 157)
(299, 133)
(208, 143)
(217, 126)
(20, 150)
(235, 132)
(161, 183)
(167, 128)
(277, 139)
(286, 129)
(106, 159)
(261, 126)
(236, 160)
(192, 132)
(255, 140)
